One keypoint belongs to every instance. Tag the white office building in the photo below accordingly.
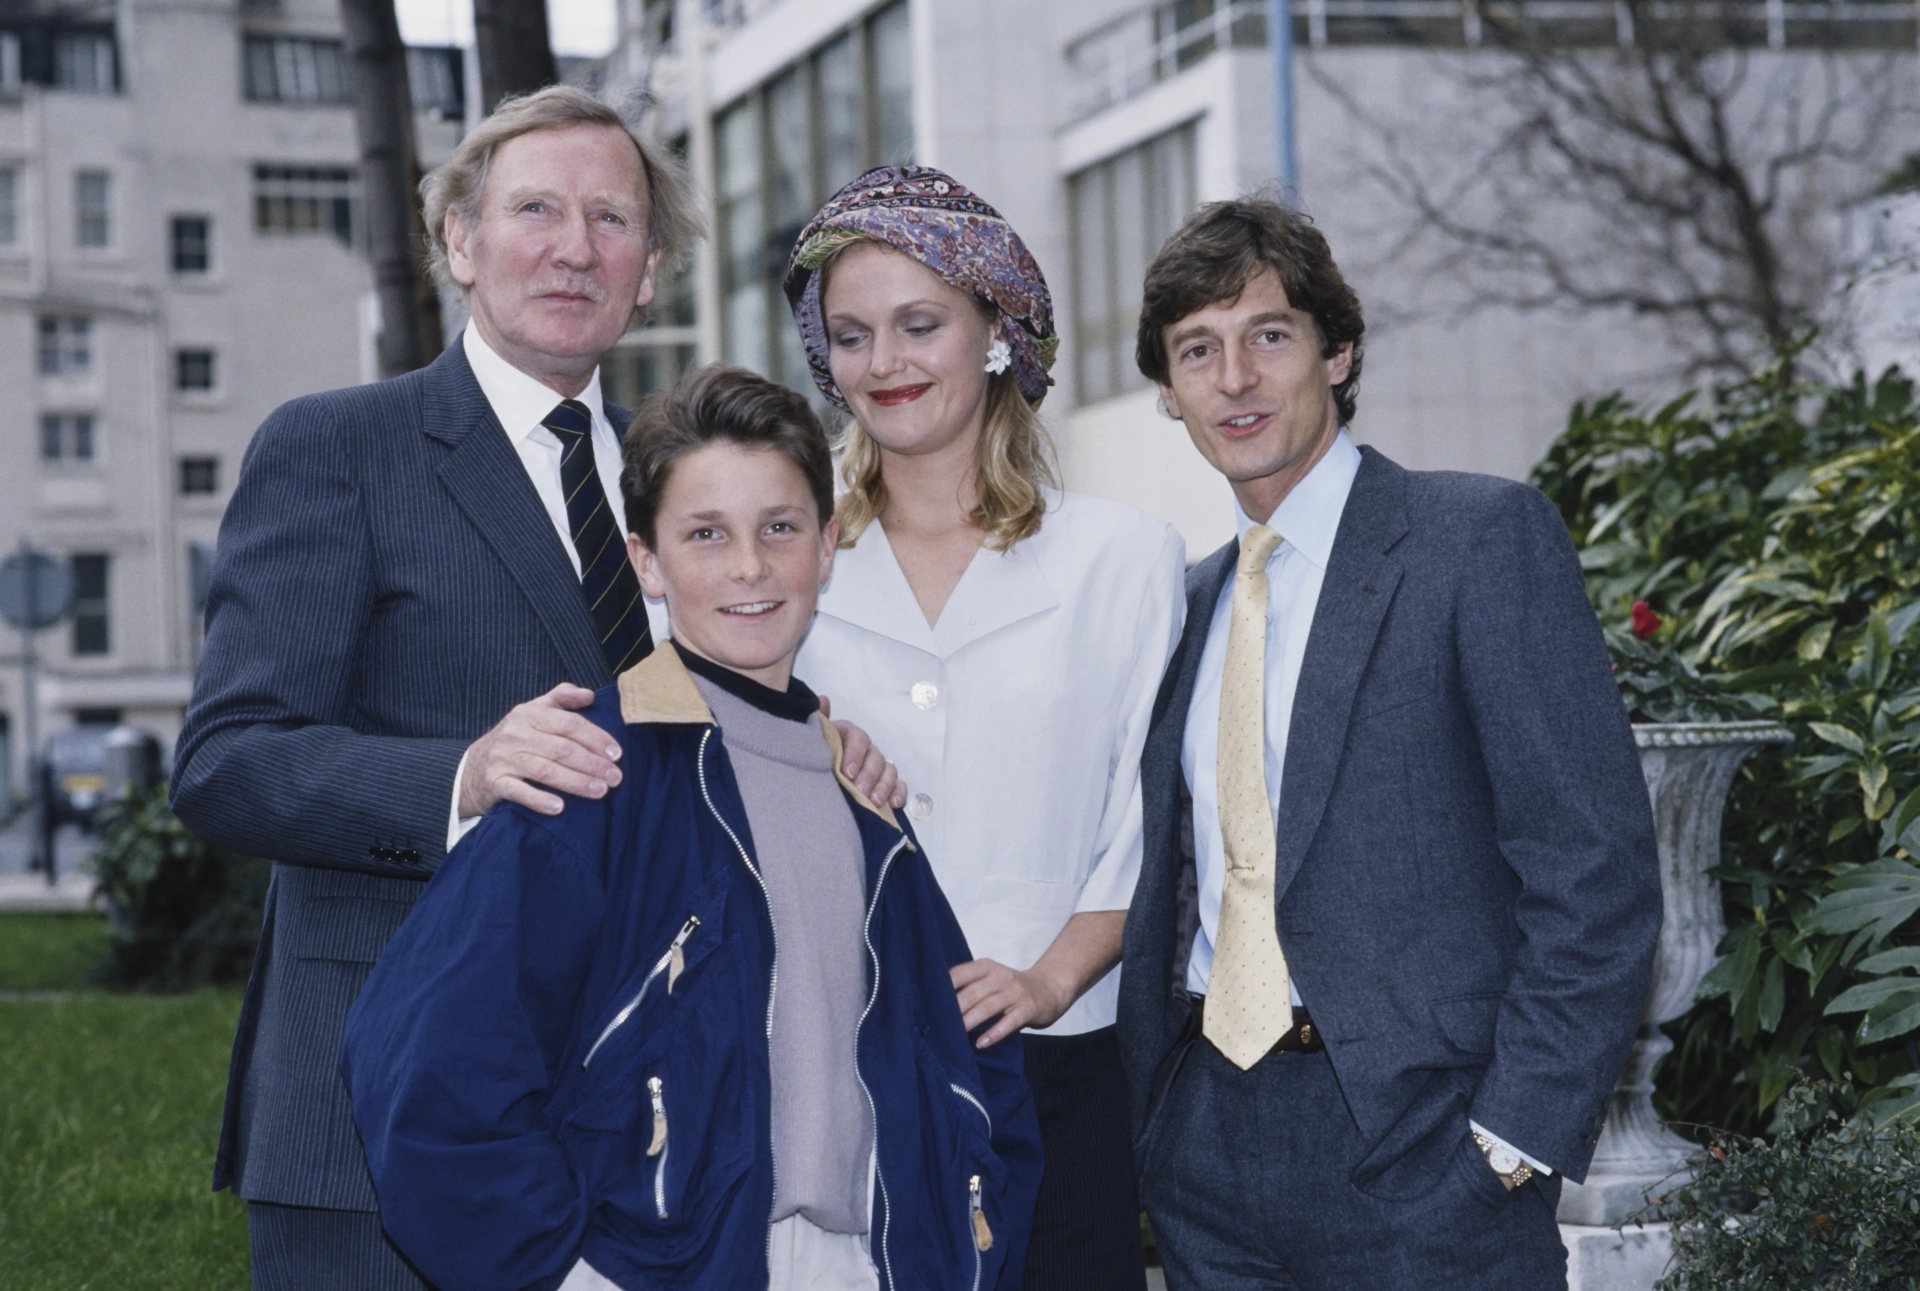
(179, 222)
(1095, 126)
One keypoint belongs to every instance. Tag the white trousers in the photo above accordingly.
(803, 1257)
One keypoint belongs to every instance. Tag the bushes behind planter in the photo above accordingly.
(1775, 532)
(184, 913)
(1824, 1203)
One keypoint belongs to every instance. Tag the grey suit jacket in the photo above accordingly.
(386, 586)
(1466, 887)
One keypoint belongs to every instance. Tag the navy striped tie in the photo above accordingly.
(607, 580)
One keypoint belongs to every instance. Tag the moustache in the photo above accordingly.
(571, 286)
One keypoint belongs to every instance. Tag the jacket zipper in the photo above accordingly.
(656, 1089)
(674, 958)
(773, 974)
(866, 934)
(982, 1235)
(978, 1106)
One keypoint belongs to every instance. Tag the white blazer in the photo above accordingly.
(1017, 720)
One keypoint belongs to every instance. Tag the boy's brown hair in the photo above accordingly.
(713, 404)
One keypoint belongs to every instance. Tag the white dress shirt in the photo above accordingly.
(1306, 520)
(1018, 719)
(521, 404)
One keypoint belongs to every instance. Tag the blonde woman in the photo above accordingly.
(1004, 641)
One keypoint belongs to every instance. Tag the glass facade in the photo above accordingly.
(780, 152)
(1124, 208)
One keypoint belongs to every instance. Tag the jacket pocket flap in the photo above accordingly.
(353, 929)
(1395, 690)
(1468, 1020)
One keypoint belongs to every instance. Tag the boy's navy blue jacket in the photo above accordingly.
(573, 991)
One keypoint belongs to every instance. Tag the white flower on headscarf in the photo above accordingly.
(999, 357)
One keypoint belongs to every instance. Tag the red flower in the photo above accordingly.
(1645, 621)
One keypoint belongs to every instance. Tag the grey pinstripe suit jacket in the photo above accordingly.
(386, 586)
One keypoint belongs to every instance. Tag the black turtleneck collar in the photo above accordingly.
(796, 703)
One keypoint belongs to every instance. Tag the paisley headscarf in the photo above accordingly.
(932, 217)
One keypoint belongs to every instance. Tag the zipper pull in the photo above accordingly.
(982, 1235)
(676, 954)
(659, 1143)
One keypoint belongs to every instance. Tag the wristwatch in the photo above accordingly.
(1505, 1161)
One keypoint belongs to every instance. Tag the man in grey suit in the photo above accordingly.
(1396, 918)
(416, 585)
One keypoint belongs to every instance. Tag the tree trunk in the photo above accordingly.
(510, 37)
(389, 185)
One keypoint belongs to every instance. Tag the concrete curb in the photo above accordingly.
(29, 892)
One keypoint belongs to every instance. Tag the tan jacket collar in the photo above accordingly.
(660, 691)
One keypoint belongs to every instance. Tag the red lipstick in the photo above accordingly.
(898, 395)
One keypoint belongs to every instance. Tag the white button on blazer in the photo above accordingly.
(1018, 719)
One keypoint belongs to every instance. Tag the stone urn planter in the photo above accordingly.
(1689, 767)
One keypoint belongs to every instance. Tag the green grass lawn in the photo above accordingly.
(109, 1110)
(40, 952)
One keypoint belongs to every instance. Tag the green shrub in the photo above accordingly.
(1776, 531)
(186, 913)
(1824, 1205)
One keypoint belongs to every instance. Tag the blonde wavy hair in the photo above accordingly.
(1013, 462)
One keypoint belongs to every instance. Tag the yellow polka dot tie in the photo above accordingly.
(1249, 1005)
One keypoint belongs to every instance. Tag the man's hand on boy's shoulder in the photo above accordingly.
(545, 744)
(871, 773)
(540, 745)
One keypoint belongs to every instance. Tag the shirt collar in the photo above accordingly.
(1308, 517)
(520, 402)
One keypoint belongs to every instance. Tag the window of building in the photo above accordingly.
(305, 199)
(193, 370)
(890, 60)
(9, 205)
(84, 61)
(66, 437)
(191, 238)
(199, 475)
(1123, 209)
(66, 344)
(438, 78)
(284, 69)
(9, 63)
(90, 615)
(780, 152)
(92, 219)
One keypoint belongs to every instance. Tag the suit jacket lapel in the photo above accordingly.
(1204, 582)
(489, 483)
(1354, 596)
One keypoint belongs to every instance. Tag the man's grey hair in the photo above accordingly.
(672, 219)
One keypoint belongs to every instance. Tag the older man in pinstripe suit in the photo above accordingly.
(416, 583)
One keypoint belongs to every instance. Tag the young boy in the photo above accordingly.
(698, 1033)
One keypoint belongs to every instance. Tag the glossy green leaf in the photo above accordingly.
(1893, 1016)
(1879, 896)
